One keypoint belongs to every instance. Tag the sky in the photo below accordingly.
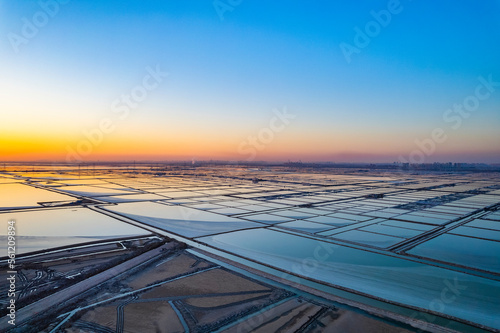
(323, 81)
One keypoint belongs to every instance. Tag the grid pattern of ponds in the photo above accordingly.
(396, 237)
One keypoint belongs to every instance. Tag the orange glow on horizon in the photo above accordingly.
(170, 147)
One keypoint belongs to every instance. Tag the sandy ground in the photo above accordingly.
(165, 269)
(352, 322)
(151, 317)
(185, 290)
(286, 317)
(208, 302)
(213, 281)
(105, 316)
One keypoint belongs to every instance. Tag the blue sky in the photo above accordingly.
(225, 76)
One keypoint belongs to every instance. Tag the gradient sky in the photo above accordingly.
(226, 76)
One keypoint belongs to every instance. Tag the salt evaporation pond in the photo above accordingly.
(181, 220)
(467, 251)
(49, 228)
(18, 195)
(383, 276)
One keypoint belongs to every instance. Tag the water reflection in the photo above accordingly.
(390, 278)
(21, 195)
(184, 221)
(45, 229)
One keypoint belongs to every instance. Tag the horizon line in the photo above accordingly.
(235, 162)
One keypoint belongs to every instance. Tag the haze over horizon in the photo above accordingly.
(380, 81)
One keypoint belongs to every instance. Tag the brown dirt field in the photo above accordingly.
(207, 302)
(286, 317)
(352, 322)
(103, 315)
(213, 281)
(178, 265)
(151, 317)
(207, 316)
